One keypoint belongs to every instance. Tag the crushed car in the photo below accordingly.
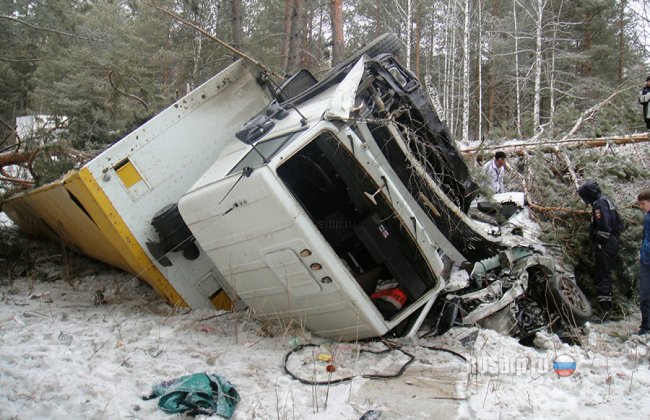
(341, 205)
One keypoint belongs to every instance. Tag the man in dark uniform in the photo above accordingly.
(644, 99)
(605, 230)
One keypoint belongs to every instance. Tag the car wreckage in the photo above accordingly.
(340, 205)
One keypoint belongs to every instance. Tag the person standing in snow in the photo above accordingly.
(644, 264)
(495, 171)
(605, 230)
(644, 99)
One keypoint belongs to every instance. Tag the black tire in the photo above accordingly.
(383, 44)
(566, 298)
(386, 43)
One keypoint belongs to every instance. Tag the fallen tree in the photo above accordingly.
(527, 147)
(18, 158)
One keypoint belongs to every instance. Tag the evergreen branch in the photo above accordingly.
(586, 115)
(39, 28)
(590, 112)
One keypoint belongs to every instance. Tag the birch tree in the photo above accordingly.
(480, 71)
(551, 72)
(466, 85)
(541, 4)
(418, 37)
(409, 28)
(517, 81)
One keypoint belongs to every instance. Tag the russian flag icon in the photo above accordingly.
(564, 365)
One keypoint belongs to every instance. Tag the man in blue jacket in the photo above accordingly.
(605, 230)
(644, 263)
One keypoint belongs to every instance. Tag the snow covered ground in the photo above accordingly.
(67, 352)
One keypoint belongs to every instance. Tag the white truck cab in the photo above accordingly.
(330, 203)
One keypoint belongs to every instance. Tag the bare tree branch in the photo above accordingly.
(110, 79)
(22, 182)
(20, 60)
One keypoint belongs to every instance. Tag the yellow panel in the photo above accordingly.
(119, 234)
(77, 212)
(222, 301)
(52, 212)
(128, 174)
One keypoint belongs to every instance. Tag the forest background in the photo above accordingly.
(539, 71)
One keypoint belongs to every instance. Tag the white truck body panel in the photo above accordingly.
(170, 152)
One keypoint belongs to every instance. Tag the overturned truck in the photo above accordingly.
(341, 204)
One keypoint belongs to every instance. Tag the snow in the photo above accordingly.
(4, 220)
(67, 351)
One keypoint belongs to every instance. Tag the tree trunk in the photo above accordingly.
(379, 24)
(336, 17)
(479, 61)
(237, 30)
(523, 148)
(409, 30)
(17, 158)
(295, 36)
(452, 70)
(551, 76)
(196, 59)
(586, 68)
(517, 81)
(166, 72)
(538, 66)
(284, 46)
(418, 37)
(446, 73)
(306, 55)
(466, 74)
(621, 40)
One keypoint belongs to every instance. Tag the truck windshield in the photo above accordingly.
(263, 151)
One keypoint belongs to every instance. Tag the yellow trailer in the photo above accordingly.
(105, 209)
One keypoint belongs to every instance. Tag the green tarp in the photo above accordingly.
(200, 393)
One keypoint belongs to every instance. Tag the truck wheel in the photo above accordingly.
(386, 43)
(564, 295)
